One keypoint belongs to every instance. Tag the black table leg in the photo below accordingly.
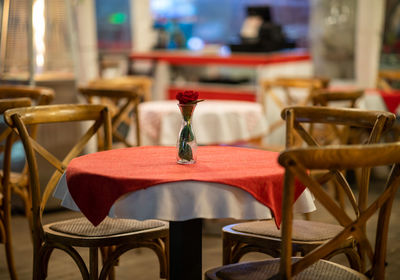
(185, 250)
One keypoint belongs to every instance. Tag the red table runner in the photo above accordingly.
(95, 181)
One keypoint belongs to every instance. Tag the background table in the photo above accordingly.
(214, 122)
(292, 62)
(181, 202)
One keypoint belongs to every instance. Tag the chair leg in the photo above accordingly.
(166, 250)
(105, 252)
(10, 261)
(38, 263)
(28, 213)
(8, 249)
(226, 250)
(94, 263)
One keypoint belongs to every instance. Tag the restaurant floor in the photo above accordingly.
(142, 264)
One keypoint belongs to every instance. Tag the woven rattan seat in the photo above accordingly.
(264, 269)
(108, 227)
(303, 230)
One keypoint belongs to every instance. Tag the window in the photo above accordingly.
(113, 25)
(222, 24)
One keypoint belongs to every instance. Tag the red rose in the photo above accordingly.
(188, 96)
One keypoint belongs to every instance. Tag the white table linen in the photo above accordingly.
(184, 200)
(214, 122)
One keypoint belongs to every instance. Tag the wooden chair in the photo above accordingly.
(121, 234)
(298, 162)
(121, 102)
(6, 140)
(386, 78)
(386, 81)
(335, 98)
(333, 134)
(263, 236)
(141, 84)
(283, 92)
(18, 178)
(38, 95)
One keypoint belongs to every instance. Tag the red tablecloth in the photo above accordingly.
(97, 180)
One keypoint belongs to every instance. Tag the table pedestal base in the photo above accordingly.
(185, 250)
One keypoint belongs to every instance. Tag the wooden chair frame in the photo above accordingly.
(333, 132)
(139, 83)
(311, 85)
(45, 238)
(297, 163)
(385, 77)
(38, 96)
(121, 102)
(7, 138)
(236, 244)
(324, 97)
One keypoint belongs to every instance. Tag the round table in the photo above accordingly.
(214, 122)
(225, 182)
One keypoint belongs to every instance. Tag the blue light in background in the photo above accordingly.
(195, 44)
(224, 50)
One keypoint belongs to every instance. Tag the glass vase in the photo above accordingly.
(186, 146)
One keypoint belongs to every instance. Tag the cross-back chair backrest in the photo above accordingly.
(296, 117)
(298, 162)
(283, 92)
(376, 122)
(38, 95)
(344, 98)
(121, 103)
(21, 118)
(7, 138)
(6, 141)
(141, 84)
(6, 104)
(341, 120)
(386, 78)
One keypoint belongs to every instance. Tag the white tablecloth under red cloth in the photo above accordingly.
(225, 181)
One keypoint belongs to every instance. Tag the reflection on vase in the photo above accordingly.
(186, 146)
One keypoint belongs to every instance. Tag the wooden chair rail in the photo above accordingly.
(345, 116)
(40, 95)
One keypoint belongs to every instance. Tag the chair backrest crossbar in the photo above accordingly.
(299, 161)
(377, 122)
(283, 92)
(20, 119)
(7, 139)
(122, 102)
(38, 95)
